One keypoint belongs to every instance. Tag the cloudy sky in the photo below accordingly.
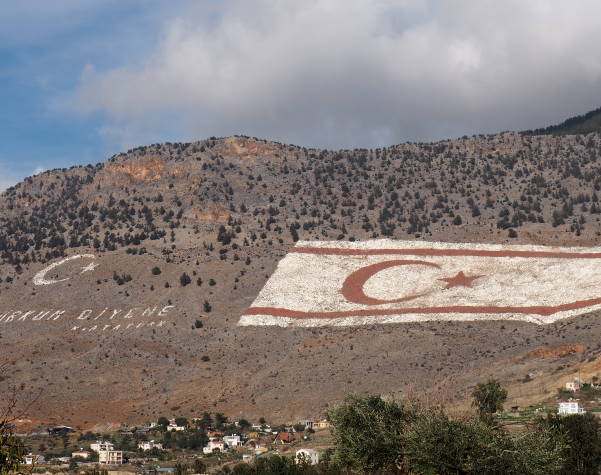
(80, 80)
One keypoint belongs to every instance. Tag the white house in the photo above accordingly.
(570, 407)
(31, 459)
(101, 446)
(110, 457)
(149, 445)
(215, 445)
(232, 440)
(309, 456)
(81, 453)
(173, 427)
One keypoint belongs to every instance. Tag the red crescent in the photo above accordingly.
(352, 289)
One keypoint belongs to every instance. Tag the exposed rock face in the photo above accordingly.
(223, 212)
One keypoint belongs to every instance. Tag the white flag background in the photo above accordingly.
(386, 281)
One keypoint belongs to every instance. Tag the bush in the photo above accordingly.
(368, 433)
(185, 279)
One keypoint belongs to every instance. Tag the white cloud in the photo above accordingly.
(355, 72)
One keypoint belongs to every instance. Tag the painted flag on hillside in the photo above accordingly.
(386, 281)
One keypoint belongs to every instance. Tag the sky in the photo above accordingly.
(82, 80)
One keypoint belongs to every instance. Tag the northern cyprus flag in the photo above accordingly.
(387, 281)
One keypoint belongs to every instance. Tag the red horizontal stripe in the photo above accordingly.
(329, 251)
(534, 310)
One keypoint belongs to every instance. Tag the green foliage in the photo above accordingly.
(435, 444)
(11, 450)
(163, 421)
(372, 435)
(220, 419)
(582, 436)
(181, 421)
(190, 439)
(244, 424)
(368, 433)
(489, 397)
(199, 466)
(276, 465)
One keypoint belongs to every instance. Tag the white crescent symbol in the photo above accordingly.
(40, 277)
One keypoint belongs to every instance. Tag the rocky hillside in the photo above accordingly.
(189, 233)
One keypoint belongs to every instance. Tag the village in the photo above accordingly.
(211, 443)
(199, 445)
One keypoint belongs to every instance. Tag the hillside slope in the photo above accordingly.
(194, 231)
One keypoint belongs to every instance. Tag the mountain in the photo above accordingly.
(185, 235)
(580, 124)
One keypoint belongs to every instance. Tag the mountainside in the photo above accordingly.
(580, 124)
(185, 235)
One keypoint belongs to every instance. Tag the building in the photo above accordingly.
(284, 438)
(309, 456)
(574, 385)
(110, 457)
(232, 440)
(215, 445)
(173, 427)
(149, 445)
(570, 407)
(31, 459)
(322, 425)
(81, 453)
(261, 427)
(101, 446)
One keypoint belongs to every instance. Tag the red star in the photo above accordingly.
(460, 280)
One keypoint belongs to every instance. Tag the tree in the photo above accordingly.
(11, 449)
(220, 419)
(156, 271)
(582, 436)
(14, 405)
(185, 279)
(489, 397)
(181, 468)
(199, 466)
(244, 424)
(368, 433)
(163, 422)
(436, 444)
(181, 421)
